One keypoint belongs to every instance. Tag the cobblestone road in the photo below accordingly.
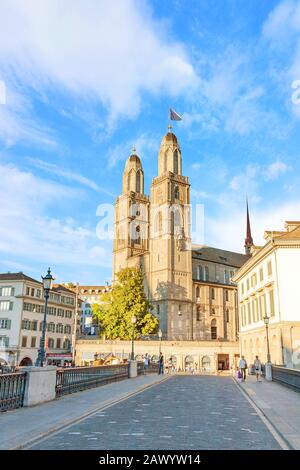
(185, 412)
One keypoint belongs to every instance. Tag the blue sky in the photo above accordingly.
(78, 91)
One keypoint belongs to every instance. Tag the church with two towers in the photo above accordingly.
(189, 285)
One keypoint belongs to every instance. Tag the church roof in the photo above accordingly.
(170, 137)
(216, 255)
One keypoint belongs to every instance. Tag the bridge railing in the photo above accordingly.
(287, 377)
(75, 379)
(12, 389)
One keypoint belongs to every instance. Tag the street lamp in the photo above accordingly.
(160, 337)
(47, 283)
(133, 321)
(266, 320)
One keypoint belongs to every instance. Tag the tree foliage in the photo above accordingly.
(127, 298)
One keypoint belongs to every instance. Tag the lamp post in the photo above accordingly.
(266, 320)
(160, 337)
(133, 321)
(47, 283)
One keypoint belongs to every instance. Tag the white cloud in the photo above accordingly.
(275, 169)
(101, 51)
(67, 174)
(28, 234)
(228, 232)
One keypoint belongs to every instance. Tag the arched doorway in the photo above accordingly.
(26, 361)
(189, 364)
(206, 364)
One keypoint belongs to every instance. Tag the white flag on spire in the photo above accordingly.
(174, 116)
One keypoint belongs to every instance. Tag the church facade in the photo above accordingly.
(189, 285)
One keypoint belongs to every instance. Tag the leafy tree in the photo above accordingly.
(127, 298)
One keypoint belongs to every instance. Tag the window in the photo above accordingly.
(231, 275)
(249, 313)
(176, 193)
(33, 342)
(58, 343)
(24, 341)
(272, 305)
(50, 343)
(176, 162)
(5, 305)
(242, 289)
(198, 314)
(51, 311)
(51, 327)
(213, 311)
(34, 325)
(38, 293)
(248, 284)
(253, 280)
(206, 274)
(5, 323)
(138, 235)
(197, 292)
(7, 291)
(59, 328)
(261, 274)
(226, 277)
(67, 344)
(67, 329)
(227, 315)
(26, 325)
(60, 312)
(212, 293)
(213, 329)
(138, 182)
(270, 268)
(199, 273)
(159, 222)
(242, 312)
(226, 295)
(27, 290)
(4, 341)
(68, 314)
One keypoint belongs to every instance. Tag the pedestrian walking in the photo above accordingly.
(161, 364)
(146, 363)
(243, 366)
(257, 366)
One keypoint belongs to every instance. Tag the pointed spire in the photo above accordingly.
(248, 240)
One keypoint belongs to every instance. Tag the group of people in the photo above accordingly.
(243, 368)
(146, 361)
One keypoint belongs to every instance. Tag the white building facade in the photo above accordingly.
(21, 317)
(268, 285)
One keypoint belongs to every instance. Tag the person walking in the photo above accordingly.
(146, 363)
(243, 367)
(257, 366)
(161, 364)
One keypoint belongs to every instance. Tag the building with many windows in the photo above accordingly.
(21, 319)
(189, 286)
(268, 285)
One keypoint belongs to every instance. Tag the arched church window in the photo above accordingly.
(176, 162)
(176, 193)
(213, 329)
(138, 235)
(138, 182)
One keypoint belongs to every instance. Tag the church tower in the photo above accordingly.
(131, 225)
(248, 240)
(170, 243)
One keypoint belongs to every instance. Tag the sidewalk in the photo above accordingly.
(279, 404)
(20, 427)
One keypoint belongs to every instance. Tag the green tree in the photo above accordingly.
(127, 298)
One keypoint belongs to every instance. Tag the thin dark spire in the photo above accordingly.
(248, 240)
